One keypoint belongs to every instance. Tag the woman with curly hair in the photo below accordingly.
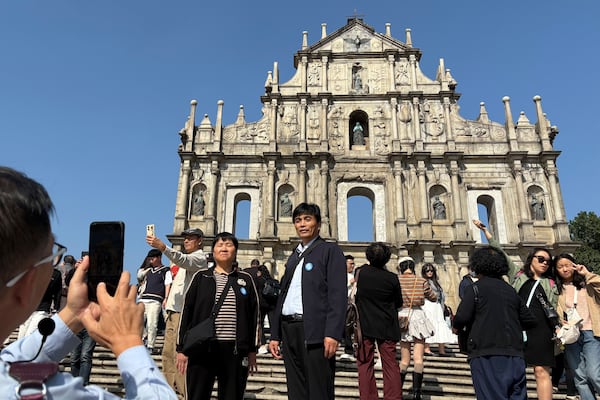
(534, 284)
(414, 292)
(495, 316)
(579, 290)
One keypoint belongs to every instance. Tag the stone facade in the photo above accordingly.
(360, 118)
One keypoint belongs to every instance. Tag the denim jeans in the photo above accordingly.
(584, 357)
(81, 357)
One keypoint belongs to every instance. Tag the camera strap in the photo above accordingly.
(32, 377)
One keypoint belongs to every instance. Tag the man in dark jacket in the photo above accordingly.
(309, 317)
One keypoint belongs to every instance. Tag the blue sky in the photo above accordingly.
(92, 94)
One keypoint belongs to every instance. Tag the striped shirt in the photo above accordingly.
(417, 292)
(226, 321)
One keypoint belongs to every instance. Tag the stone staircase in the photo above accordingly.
(445, 377)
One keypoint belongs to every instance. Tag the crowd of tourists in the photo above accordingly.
(545, 315)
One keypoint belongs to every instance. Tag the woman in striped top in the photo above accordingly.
(414, 292)
(232, 354)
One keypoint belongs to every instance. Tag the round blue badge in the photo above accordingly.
(243, 291)
(308, 266)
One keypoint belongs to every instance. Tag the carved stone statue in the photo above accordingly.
(199, 204)
(358, 134)
(285, 206)
(439, 209)
(537, 208)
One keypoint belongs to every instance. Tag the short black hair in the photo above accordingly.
(378, 254)
(407, 264)
(349, 257)
(225, 237)
(69, 259)
(25, 210)
(307, 209)
(488, 261)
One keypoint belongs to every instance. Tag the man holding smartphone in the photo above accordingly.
(28, 254)
(190, 261)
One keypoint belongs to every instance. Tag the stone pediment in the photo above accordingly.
(356, 37)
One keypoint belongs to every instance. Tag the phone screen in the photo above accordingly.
(107, 240)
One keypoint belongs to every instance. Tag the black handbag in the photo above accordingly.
(549, 311)
(196, 337)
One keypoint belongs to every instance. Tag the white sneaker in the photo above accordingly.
(263, 349)
(347, 357)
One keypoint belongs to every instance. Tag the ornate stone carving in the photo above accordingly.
(431, 117)
(314, 74)
(289, 122)
(401, 75)
(314, 122)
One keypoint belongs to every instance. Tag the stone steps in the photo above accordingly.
(446, 377)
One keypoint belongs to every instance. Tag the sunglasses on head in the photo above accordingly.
(542, 259)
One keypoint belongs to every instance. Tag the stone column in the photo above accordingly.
(302, 116)
(390, 60)
(412, 61)
(270, 199)
(395, 134)
(324, 76)
(303, 71)
(302, 180)
(424, 204)
(274, 123)
(416, 126)
(554, 191)
(459, 221)
(400, 218)
(324, 132)
(182, 197)
(525, 223)
(212, 198)
(449, 133)
(324, 171)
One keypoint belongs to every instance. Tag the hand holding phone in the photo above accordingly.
(106, 256)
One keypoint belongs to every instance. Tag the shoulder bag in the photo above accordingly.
(200, 334)
(569, 333)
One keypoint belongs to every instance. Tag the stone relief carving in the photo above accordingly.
(255, 132)
(285, 206)
(289, 122)
(376, 79)
(229, 134)
(283, 175)
(401, 75)
(314, 74)
(431, 117)
(538, 209)
(336, 140)
(498, 132)
(382, 144)
(357, 40)
(338, 77)
(405, 112)
(199, 204)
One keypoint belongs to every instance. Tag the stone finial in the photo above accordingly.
(205, 122)
(523, 120)
(408, 38)
(194, 102)
(483, 114)
(241, 119)
(440, 75)
(451, 81)
(388, 29)
(323, 30)
(304, 40)
(269, 81)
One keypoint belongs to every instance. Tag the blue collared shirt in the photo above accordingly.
(141, 377)
(293, 301)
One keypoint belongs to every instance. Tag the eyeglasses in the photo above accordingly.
(57, 252)
(542, 259)
(428, 270)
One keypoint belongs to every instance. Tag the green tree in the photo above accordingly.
(585, 228)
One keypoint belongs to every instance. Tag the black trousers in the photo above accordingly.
(310, 376)
(217, 361)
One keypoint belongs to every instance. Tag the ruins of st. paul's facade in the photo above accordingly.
(359, 118)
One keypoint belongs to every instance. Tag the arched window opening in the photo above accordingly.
(241, 216)
(361, 218)
(486, 212)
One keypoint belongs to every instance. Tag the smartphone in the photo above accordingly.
(150, 230)
(107, 243)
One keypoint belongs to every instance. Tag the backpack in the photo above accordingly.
(271, 290)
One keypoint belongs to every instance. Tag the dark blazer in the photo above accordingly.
(378, 298)
(324, 292)
(497, 318)
(200, 299)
